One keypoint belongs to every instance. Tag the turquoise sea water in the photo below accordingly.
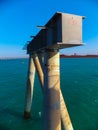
(79, 84)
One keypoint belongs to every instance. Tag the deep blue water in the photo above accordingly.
(79, 85)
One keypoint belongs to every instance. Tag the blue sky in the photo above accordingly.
(19, 18)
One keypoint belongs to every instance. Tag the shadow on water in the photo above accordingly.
(19, 115)
(95, 75)
(12, 112)
(3, 127)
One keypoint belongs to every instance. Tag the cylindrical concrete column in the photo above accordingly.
(63, 110)
(64, 114)
(52, 119)
(29, 90)
(38, 68)
(41, 59)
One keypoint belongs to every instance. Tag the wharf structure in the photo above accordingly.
(61, 31)
(78, 56)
